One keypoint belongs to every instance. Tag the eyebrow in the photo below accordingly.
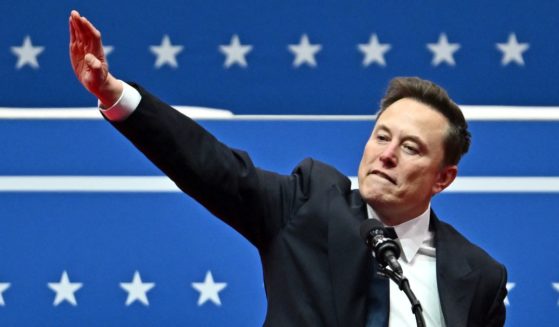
(407, 137)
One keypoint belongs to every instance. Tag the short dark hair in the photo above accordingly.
(457, 141)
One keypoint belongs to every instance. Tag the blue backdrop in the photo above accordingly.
(100, 239)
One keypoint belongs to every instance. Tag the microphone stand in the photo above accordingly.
(404, 286)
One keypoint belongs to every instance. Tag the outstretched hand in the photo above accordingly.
(89, 62)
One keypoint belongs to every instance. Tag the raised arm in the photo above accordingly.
(255, 202)
(89, 62)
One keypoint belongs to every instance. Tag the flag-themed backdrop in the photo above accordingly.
(91, 234)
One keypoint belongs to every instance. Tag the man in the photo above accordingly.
(317, 271)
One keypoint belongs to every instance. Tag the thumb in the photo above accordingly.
(92, 62)
(94, 75)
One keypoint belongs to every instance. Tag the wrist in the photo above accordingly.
(110, 91)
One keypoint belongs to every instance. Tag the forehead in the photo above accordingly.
(409, 116)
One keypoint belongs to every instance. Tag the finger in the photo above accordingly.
(78, 35)
(92, 38)
(71, 31)
(86, 28)
(80, 29)
(77, 45)
(91, 29)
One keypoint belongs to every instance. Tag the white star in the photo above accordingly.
(512, 50)
(510, 286)
(65, 290)
(304, 52)
(235, 52)
(3, 287)
(137, 290)
(443, 51)
(27, 54)
(166, 52)
(556, 287)
(108, 49)
(374, 51)
(209, 290)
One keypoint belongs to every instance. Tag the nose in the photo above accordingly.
(389, 156)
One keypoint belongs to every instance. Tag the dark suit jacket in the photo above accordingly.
(306, 228)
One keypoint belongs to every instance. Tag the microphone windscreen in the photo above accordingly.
(367, 226)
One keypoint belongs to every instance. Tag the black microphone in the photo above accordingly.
(385, 250)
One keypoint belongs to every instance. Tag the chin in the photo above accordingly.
(373, 196)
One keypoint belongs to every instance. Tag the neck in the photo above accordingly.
(391, 217)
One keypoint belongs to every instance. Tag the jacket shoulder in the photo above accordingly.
(477, 257)
(313, 174)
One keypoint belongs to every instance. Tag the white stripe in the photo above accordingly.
(514, 113)
(161, 184)
(95, 114)
(505, 184)
(472, 113)
(87, 184)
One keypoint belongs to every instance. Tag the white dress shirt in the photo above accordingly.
(124, 106)
(418, 261)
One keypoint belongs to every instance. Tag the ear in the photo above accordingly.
(444, 178)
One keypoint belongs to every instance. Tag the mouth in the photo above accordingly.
(383, 175)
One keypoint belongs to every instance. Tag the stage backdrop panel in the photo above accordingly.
(101, 237)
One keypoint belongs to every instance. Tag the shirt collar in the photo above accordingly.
(412, 233)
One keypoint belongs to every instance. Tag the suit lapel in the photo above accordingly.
(348, 257)
(456, 279)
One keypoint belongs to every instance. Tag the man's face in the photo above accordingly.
(402, 164)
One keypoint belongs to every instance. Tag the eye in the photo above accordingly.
(382, 137)
(410, 148)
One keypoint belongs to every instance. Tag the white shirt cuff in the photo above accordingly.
(124, 106)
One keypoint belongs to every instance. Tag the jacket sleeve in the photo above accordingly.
(255, 202)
